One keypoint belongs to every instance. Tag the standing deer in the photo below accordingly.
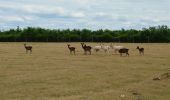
(141, 50)
(124, 50)
(97, 48)
(28, 48)
(116, 47)
(72, 49)
(86, 48)
(105, 48)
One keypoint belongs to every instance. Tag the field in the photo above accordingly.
(51, 73)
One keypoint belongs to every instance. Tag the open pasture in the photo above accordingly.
(51, 73)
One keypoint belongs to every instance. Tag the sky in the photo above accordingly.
(80, 14)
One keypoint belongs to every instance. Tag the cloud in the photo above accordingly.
(93, 14)
(11, 19)
(78, 14)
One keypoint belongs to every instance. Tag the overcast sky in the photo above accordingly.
(79, 14)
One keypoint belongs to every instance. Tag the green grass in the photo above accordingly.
(51, 73)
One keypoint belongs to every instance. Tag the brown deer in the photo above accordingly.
(124, 50)
(86, 48)
(141, 50)
(28, 48)
(72, 49)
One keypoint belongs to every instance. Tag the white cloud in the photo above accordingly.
(85, 13)
(43, 9)
(78, 14)
(11, 19)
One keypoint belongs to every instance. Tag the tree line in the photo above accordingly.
(158, 34)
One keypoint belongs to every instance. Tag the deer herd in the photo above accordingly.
(106, 48)
(88, 49)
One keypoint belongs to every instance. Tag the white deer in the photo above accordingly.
(97, 48)
(106, 48)
(116, 47)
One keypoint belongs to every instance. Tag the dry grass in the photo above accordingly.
(51, 73)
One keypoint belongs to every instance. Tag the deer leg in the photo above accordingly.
(105, 50)
(84, 52)
(140, 53)
(74, 52)
(30, 51)
(96, 50)
(108, 52)
(116, 50)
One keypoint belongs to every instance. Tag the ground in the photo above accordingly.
(51, 73)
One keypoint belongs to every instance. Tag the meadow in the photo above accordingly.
(51, 73)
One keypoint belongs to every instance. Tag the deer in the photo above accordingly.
(116, 47)
(141, 50)
(105, 48)
(86, 48)
(72, 49)
(97, 48)
(28, 48)
(124, 50)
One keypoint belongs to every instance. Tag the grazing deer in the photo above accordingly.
(72, 49)
(86, 48)
(124, 50)
(141, 50)
(28, 48)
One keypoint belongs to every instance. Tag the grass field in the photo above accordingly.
(51, 73)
